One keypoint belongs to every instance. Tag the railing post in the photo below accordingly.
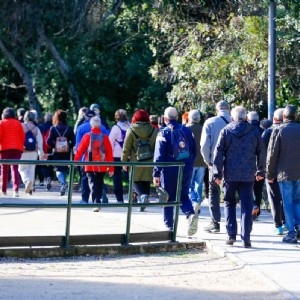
(178, 199)
(69, 208)
(129, 210)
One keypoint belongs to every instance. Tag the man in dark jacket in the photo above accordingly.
(283, 162)
(167, 176)
(241, 153)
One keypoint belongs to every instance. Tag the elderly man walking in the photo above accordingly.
(167, 176)
(283, 162)
(210, 133)
(241, 154)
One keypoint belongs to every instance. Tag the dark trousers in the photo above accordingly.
(117, 180)
(258, 189)
(214, 198)
(245, 192)
(95, 180)
(275, 200)
(84, 186)
(169, 183)
(206, 183)
(142, 187)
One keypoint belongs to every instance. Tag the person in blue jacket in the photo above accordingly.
(166, 177)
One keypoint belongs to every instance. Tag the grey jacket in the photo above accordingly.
(210, 133)
(283, 152)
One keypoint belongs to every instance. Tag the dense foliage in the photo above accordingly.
(150, 54)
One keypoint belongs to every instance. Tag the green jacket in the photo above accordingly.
(142, 130)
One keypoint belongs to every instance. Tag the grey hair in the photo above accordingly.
(253, 116)
(194, 115)
(30, 116)
(278, 114)
(238, 113)
(171, 113)
(290, 112)
(95, 122)
(48, 117)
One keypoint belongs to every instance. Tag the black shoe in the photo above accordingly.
(231, 240)
(48, 184)
(247, 245)
(63, 190)
(212, 227)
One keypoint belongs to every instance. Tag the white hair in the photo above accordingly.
(194, 115)
(252, 116)
(278, 114)
(238, 113)
(171, 113)
(95, 122)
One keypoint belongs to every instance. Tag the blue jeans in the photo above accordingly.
(196, 185)
(290, 191)
(245, 192)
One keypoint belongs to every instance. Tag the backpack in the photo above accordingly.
(123, 134)
(144, 150)
(180, 144)
(96, 151)
(61, 143)
(30, 140)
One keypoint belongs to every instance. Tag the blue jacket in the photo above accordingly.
(163, 147)
(240, 153)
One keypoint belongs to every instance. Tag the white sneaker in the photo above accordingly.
(193, 224)
(196, 207)
(96, 209)
(16, 194)
(28, 186)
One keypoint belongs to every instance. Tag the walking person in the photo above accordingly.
(273, 189)
(33, 148)
(140, 132)
(95, 146)
(117, 137)
(196, 185)
(283, 162)
(240, 154)
(61, 140)
(12, 139)
(210, 134)
(171, 140)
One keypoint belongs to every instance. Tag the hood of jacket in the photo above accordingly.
(142, 129)
(241, 128)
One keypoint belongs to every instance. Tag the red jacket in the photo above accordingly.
(12, 136)
(83, 150)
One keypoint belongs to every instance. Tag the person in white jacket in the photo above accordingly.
(27, 171)
(116, 137)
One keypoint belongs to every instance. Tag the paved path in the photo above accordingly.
(277, 262)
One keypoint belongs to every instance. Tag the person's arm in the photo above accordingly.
(205, 144)
(39, 141)
(218, 156)
(273, 154)
(160, 155)
(108, 154)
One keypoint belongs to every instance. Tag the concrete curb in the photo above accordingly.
(101, 250)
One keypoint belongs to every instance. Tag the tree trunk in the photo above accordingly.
(62, 66)
(33, 101)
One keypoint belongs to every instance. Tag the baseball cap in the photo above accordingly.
(162, 194)
(90, 113)
(222, 105)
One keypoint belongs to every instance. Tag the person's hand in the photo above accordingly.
(270, 180)
(111, 174)
(156, 181)
(218, 181)
(125, 168)
(258, 178)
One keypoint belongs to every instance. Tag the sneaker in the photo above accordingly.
(144, 199)
(212, 227)
(16, 194)
(278, 230)
(247, 245)
(284, 228)
(63, 189)
(48, 184)
(193, 224)
(231, 240)
(196, 207)
(290, 239)
(96, 209)
(28, 185)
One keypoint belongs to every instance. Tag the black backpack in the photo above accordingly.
(30, 140)
(144, 150)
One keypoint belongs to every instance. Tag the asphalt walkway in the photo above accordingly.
(276, 261)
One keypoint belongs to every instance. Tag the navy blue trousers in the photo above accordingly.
(245, 193)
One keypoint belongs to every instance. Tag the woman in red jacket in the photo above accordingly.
(12, 139)
(95, 146)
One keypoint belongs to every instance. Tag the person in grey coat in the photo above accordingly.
(210, 134)
(240, 153)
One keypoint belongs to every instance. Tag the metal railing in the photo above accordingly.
(67, 240)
